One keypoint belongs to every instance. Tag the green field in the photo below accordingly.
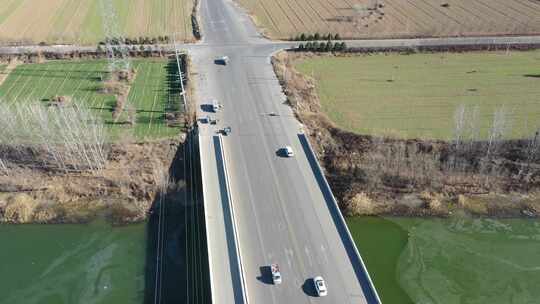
(417, 95)
(150, 93)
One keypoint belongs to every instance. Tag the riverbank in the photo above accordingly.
(391, 175)
(123, 191)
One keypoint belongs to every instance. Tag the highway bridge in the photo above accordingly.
(261, 207)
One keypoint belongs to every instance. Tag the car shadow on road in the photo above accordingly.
(309, 288)
(281, 153)
(207, 108)
(266, 275)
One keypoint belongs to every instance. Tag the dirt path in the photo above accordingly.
(5, 73)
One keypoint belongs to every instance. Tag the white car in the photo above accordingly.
(320, 286)
(276, 275)
(288, 151)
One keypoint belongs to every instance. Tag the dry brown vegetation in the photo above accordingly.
(409, 176)
(57, 166)
(119, 85)
(123, 190)
(395, 18)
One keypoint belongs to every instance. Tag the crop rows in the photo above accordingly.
(81, 81)
(396, 18)
(76, 21)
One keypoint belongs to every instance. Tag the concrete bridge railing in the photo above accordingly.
(350, 246)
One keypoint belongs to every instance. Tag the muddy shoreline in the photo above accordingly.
(412, 177)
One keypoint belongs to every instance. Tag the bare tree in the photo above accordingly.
(58, 138)
(533, 154)
(499, 129)
(473, 127)
(459, 125)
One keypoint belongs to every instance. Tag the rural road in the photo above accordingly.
(397, 44)
(281, 214)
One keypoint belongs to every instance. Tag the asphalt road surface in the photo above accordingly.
(281, 214)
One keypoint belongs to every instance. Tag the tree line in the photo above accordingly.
(327, 46)
(316, 37)
(140, 40)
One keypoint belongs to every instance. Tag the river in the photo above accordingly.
(456, 260)
(411, 260)
(98, 263)
(56, 264)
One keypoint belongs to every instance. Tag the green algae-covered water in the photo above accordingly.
(457, 260)
(61, 264)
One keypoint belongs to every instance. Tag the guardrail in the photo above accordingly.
(369, 291)
(206, 221)
(235, 232)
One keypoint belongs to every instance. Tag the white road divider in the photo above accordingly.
(206, 220)
(234, 226)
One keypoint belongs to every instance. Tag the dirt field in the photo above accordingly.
(395, 18)
(79, 22)
(418, 95)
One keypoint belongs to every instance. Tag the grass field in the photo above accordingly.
(396, 18)
(417, 95)
(77, 21)
(150, 93)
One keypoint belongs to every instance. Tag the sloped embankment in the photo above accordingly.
(123, 190)
(385, 175)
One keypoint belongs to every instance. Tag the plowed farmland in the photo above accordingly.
(77, 21)
(395, 18)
